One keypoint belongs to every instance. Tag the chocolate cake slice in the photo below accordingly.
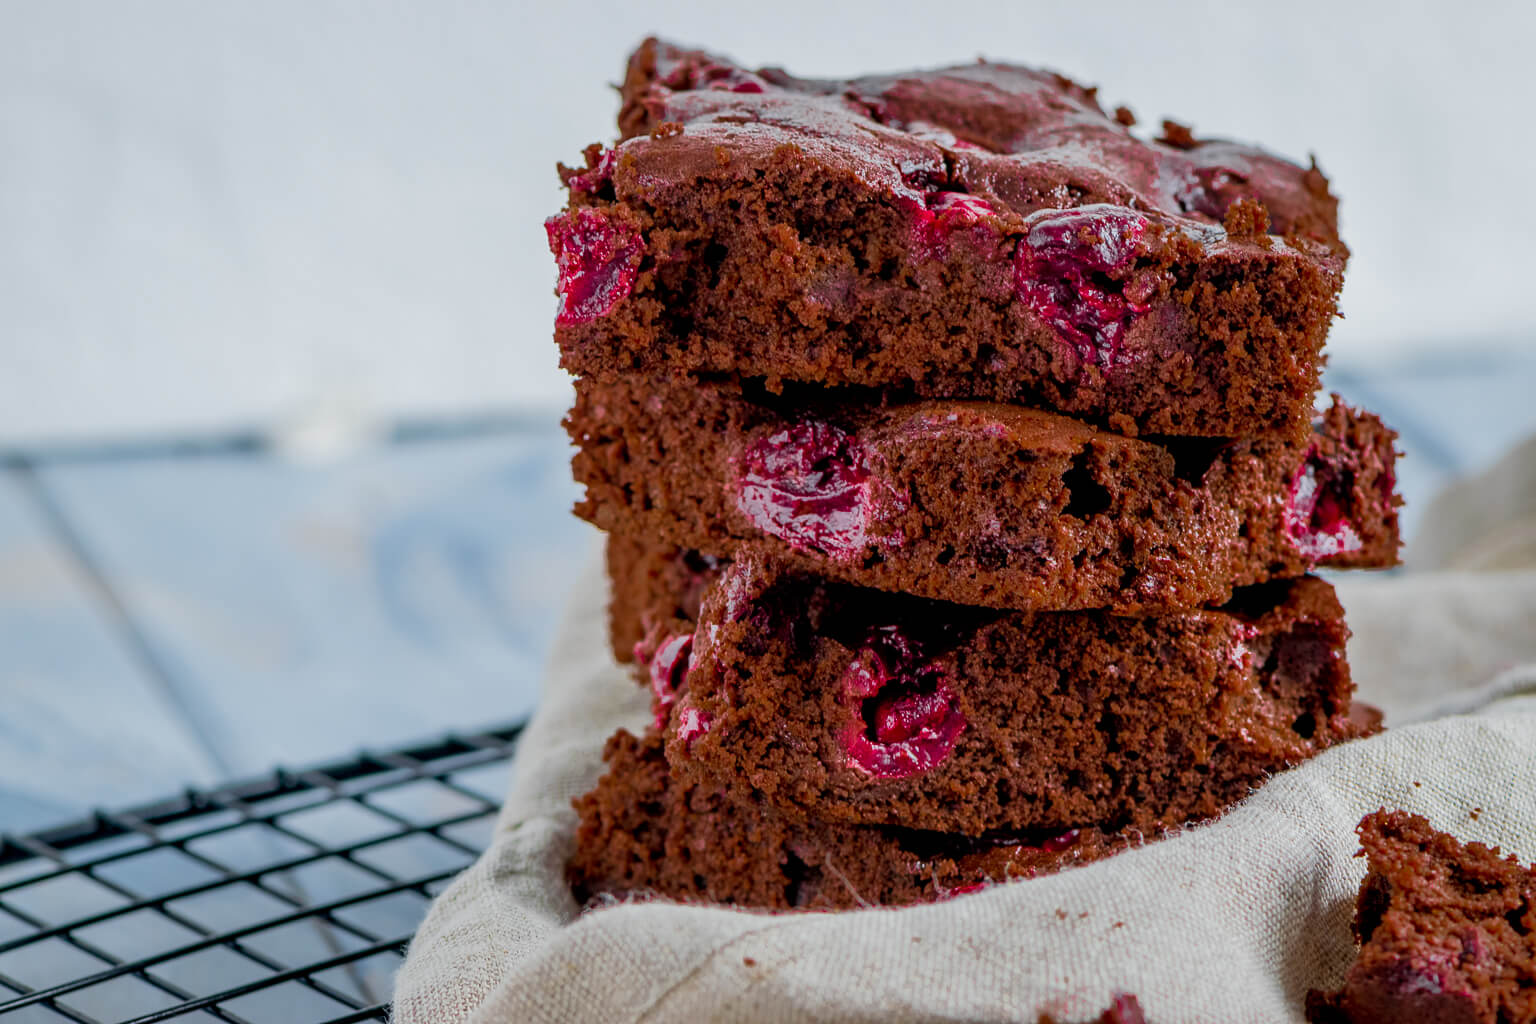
(982, 503)
(1447, 932)
(983, 231)
(833, 703)
(645, 833)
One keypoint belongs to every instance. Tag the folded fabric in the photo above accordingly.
(1231, 921)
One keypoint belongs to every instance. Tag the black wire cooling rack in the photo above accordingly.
(286, 899)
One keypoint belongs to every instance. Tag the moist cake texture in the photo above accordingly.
(982, 503)
(1447, 932)
(645, 833)
(983, 231)
(833, 703)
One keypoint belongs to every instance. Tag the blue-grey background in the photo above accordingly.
(280, 469)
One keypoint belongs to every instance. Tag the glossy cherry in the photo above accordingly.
(906, 721)
(597, 258)
(669, 673)
(1070, 269)
(809, 485)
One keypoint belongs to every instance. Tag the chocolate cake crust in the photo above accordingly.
(982, 503)
(985, 231)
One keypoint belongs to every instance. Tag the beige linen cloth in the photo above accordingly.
(1229, 922)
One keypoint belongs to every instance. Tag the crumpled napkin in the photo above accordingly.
(1231, 921)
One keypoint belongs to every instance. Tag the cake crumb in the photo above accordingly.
(1177, 135)
(747, 961)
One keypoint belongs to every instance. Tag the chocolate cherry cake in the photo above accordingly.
(955, 443)
(833, 703)
(984, 231)
(982, 503)
(1447, 932)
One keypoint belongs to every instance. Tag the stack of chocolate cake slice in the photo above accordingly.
(957, 451)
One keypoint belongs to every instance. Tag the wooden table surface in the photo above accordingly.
(187, 614)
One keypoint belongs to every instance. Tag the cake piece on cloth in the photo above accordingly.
(982, 503)
(645, 833)
(1447, 932)
(833, 703)
(984, 231)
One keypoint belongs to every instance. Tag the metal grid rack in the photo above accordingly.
(287, 898)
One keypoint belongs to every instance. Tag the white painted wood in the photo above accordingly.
(81, 723)
(306, 610)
